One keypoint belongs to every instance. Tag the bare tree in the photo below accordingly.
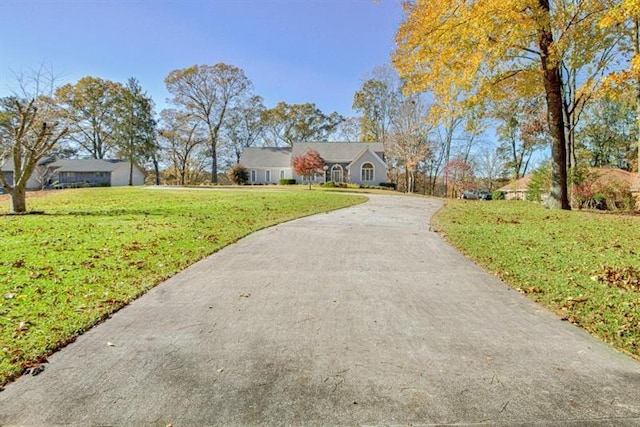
(490, 165)
(29, 129)
(243, 128)
(349, 130)
(182, 138)
(208, 92)
(409, 141)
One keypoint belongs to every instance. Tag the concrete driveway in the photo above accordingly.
(359, 316)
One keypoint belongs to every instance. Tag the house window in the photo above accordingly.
(267, 175)
(281, 174)
(253, 176)
(367, 172)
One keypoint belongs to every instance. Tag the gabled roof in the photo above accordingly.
(518, 185)
(606, 176)
(263, 157)
(8, 165)
(362, 153)
(86, 165)
(337, 152)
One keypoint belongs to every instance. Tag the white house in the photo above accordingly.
(79, 172)
(95, 172)
(38, 178)
(349, 162)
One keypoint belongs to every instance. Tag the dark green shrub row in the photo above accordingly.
(287, 181)
(333, 184)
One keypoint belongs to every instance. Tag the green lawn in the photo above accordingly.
(585, 266)
(95, 250)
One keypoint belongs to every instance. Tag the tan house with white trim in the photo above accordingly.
(518, 189)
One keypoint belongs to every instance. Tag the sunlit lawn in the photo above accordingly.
(95, 250)
(583, 265)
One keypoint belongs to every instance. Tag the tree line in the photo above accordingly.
(563, 73)
(214, 114)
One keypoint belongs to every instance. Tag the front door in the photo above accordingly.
(336, 173)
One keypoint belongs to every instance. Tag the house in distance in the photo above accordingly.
(63, 173)
(348, 162)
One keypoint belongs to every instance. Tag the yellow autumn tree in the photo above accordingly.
(489, 49)
(624, 19)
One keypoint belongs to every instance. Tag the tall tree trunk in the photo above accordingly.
(18, 199)
(406, 179)
(214, 164)
(130, 172)
(156, 168)
(558, 199)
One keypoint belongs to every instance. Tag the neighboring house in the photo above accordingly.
(79, 172)
(94, 172)
(518, 189)
(38, 178)
(353, 162)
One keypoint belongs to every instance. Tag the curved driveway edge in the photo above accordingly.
(358, 316)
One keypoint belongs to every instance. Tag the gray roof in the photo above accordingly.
(331, 152)
(8, 165)
(86, 165)
(263, 157)
(337, 152)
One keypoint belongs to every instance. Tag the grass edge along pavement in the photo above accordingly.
(94, 251)
(584, 266)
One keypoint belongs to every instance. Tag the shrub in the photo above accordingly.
(498, 195)
(617, 195)
(329, 184)
(540, 183)
(391, 185)
(287, 181)
(593, 194)
(238, 174)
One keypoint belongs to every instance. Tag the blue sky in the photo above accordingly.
(292, 50)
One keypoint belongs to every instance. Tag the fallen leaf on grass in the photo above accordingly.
(23, 326)
(529, 290)
(627, 278)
